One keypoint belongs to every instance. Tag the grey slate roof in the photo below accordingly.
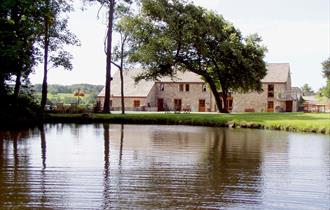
(277, 73)
(183, 77)
(132, 89)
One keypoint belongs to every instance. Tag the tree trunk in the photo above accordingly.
(224, 99)
(46, 45)
(214, 91)
(3, 91)
(121, 69)
(106, 106)
(122, 91)
(19, 61)
(18, 83)
(224, 94)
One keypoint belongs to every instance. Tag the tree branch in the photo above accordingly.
(98, 12)
(118, 66)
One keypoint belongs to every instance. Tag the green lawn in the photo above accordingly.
(301, 122)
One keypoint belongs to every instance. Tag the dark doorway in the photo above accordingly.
(270, 106)
(177, 104)
(288, 106)
(160, 104)
(201, 106)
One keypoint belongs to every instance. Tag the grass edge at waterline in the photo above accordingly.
(294, 122)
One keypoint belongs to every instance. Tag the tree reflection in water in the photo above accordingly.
(15, 189)
(234, 164)
(107, 180)
(228, 174)
(121, 143)
(43, 181)
(43, 146)
(161, 167)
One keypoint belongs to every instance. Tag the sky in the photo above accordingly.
(294, 31)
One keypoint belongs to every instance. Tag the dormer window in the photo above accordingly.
(204, 88)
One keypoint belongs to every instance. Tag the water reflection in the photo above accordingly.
(234, 167)
(14, 189)
(43, 145)
(121, 143)
(106, 166)
(107, 181)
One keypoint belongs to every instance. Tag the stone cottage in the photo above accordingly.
(184, 91)
(187, 91)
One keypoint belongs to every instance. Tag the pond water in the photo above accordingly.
(102, 166)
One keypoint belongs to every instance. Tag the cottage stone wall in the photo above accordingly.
(258, 101)
(129, 102)
(152, 97)
(251, 101)
(172, 91)
(279, 91)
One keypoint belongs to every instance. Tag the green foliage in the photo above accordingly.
(307, 90)
(55, 36)
(54, 89)
(325, 91)
(22, 108)
(326, 68)
(58, 33)
(65, 93)
(21, 24)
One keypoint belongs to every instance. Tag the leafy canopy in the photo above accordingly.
(172, 36)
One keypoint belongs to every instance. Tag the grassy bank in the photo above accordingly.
(296, 122)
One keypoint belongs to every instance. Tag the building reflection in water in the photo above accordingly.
(229, 169)
(145, 167)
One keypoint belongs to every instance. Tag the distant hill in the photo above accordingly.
(86, 88)
(65, 93)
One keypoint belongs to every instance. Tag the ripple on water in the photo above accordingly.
(155, 167)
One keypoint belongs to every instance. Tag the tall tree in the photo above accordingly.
(172, 36)
(110, 5)
(121, 50)
(55, 36)
(238, 64)
(307, 90)
(108, 78)
(20, 23)
(326, 74)
(326, 68)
